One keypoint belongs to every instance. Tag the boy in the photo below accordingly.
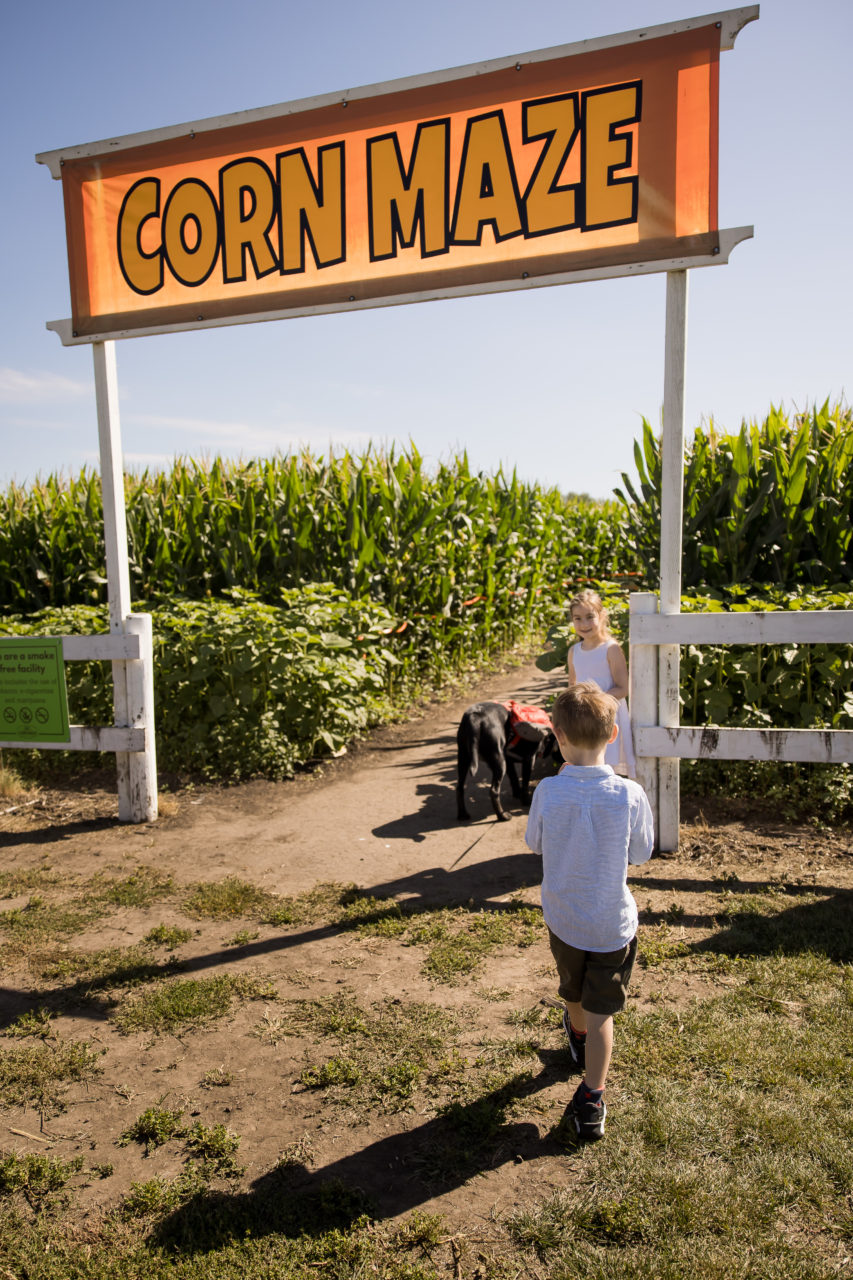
(588, 824)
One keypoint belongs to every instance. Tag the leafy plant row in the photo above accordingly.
(783, 686)
(790, 686)
(381, 526)
(772, 505)
(243, 688)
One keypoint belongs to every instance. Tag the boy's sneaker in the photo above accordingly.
(588, 1115)
(577, 1044)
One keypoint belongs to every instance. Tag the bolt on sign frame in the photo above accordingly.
(580, 162)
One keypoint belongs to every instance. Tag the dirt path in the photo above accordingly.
(383, 818)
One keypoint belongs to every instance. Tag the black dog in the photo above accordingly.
(486, 731)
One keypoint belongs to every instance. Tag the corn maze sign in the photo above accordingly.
(585, 157)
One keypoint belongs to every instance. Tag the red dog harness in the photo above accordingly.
(530, 723)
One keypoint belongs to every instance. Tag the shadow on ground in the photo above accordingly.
(386, 1178)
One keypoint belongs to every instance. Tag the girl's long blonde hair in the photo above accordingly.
(587, 599)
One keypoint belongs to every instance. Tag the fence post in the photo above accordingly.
(142, 765)
(671, 521)
(133, 682)
(643, 696)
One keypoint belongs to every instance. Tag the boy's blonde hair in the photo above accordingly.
(585, 714)
(587, 599)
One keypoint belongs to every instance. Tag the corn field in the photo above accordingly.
(772, 505)
(484, 555)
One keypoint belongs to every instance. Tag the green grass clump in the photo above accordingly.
(39, 1075)
(95, 971)
(141, 888)
(159, 1196)
(389, 1050)
(37, 1177)
(226, 900)
(34, 1022)
(215, 1146)
(180, 1004)
(169, 936)
(153, 1128)
(40, 921)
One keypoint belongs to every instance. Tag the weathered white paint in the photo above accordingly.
(140, 802)
(85, 738)
(671, 521)
(651, 631)
(643, 696)
(818, 626)
(102, 648)
(133, 698)
(818, 746)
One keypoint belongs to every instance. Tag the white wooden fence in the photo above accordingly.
(660, 741)
(131, 737)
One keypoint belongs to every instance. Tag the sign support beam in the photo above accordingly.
(671, 521)
(133, 691)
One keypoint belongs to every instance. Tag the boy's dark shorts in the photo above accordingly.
(596, 980)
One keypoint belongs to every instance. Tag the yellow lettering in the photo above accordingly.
(609, 200)
(487, 193)
(315, 210)
(142, 271)
(401, 200)
(247, 203)
(191, 232)
(548, 206)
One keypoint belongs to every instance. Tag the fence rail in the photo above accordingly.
(815, 626)
(818, 746)
(660, 741)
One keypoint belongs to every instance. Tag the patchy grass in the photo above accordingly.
(729, 1148)
(180, 1004)
(94, 971)
(38, 1178)
(390, 1050)
(40, 921)
(153, 1128)
(227, 900)
(141, 888)
(169, 936)
(40, 1075)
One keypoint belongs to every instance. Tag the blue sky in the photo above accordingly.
(553, 382)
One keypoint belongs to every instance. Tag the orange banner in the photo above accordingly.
(535, 169)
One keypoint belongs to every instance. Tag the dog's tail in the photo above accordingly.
(469, 755)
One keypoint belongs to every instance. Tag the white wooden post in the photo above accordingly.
(671, 521)
(643, 695)
(142, 765)
(136, 772)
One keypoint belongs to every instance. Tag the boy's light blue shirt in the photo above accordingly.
(588, 824)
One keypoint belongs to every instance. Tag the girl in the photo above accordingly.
(599, 657)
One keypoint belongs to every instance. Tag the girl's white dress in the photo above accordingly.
(592, 664)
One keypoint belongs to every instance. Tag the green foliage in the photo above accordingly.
(153, 1128)
(243, 688)
(178, 1004)
(216, 1148)
(785, 686)
(381, 526)
(771, 505)
(38, 1075)
(168, 936)
(36, 1177)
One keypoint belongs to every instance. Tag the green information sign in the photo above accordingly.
(33, 700)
